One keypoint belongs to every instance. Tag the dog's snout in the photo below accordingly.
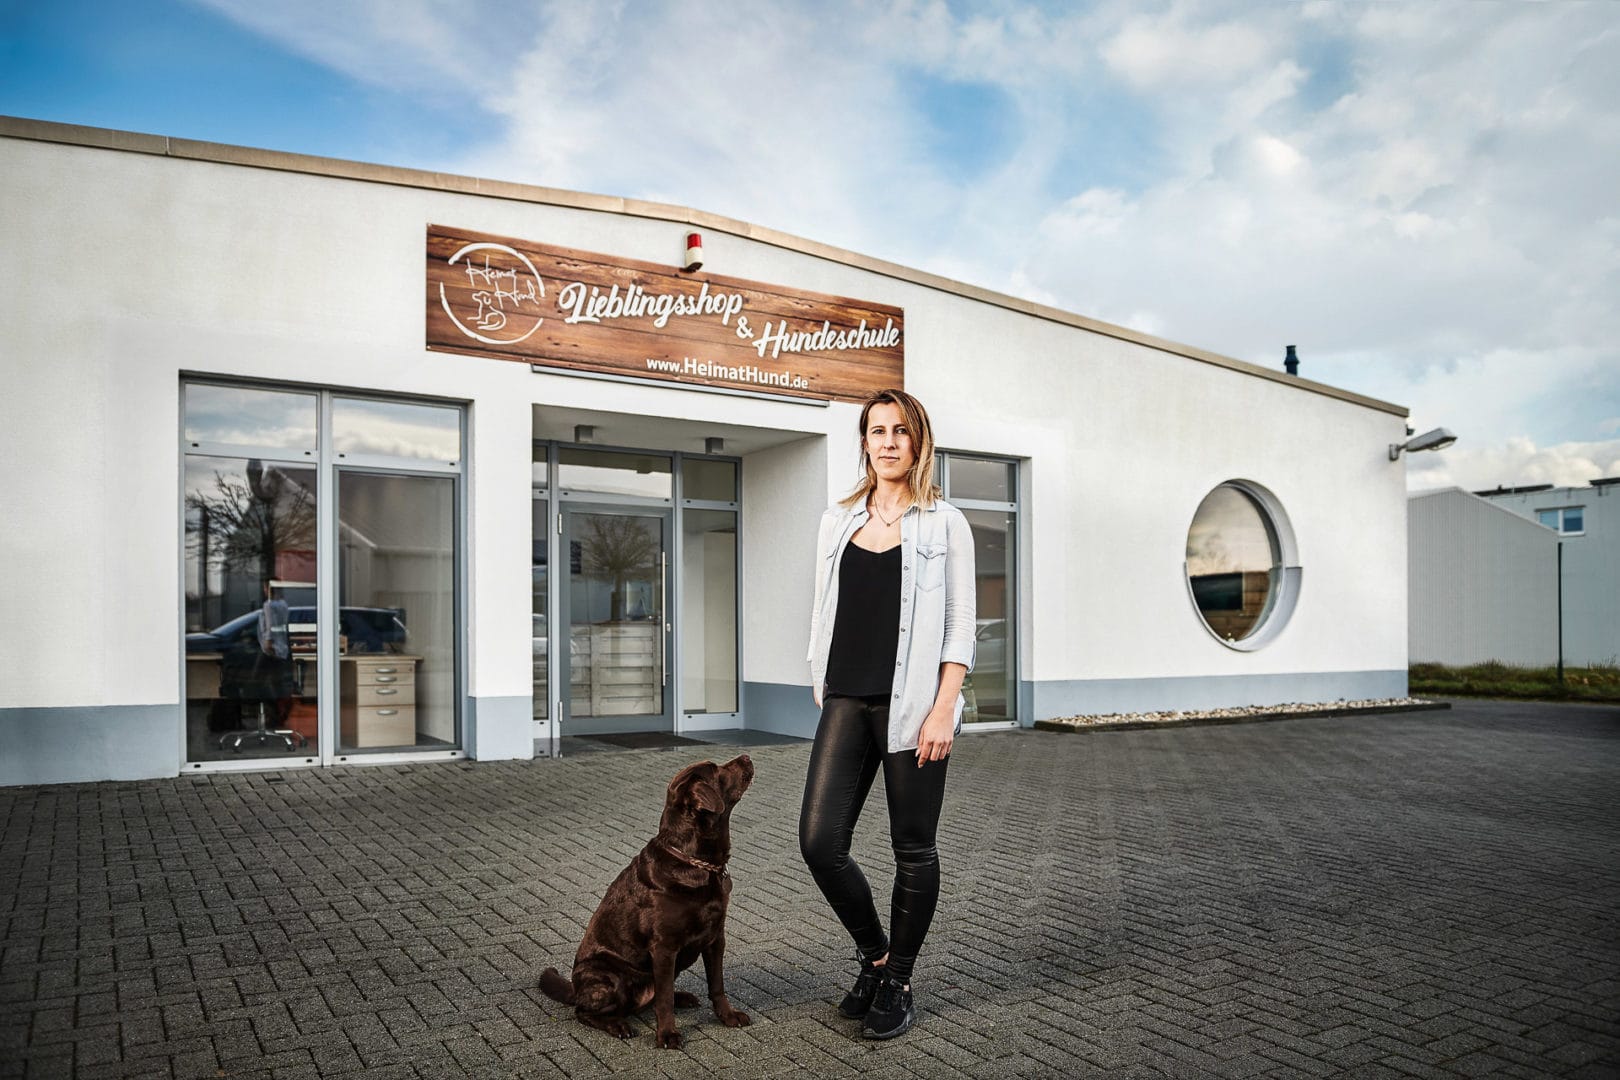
(743, 765)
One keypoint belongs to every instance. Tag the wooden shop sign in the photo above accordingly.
(558, 307)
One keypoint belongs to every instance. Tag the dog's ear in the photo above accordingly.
(704, 794)
(697, 788)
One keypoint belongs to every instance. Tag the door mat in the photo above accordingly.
(642, 740)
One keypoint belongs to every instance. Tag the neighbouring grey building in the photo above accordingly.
(1486, 582)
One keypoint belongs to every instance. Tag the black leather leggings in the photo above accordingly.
(849, 747)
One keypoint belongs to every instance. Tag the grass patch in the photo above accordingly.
(1595, 682)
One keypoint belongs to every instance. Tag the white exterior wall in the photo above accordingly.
(1591, 567)
(1484, 583)
(126, 271)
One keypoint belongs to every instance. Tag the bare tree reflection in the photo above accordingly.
(617, 549)
(237, 523)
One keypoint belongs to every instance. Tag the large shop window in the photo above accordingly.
(986, 491)
(321, 575)
(1242, 565)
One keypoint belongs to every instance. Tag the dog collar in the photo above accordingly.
(713, 868)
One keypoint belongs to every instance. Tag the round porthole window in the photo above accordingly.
(1242, 566)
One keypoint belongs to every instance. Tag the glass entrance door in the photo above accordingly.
(616, 597)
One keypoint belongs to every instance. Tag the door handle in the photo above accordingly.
(663, 614)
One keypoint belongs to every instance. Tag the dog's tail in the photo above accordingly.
(556, 987)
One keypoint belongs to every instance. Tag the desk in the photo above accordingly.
(377, 692)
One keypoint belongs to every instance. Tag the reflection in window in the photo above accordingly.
(397, 624)
(395, 429)
(1569, 519)
(972, 478)
(539, 465)
(986, 491)
(249, 607)
(709, 615)
(989, 681)
(1233, 563)
(613, 473)
(708, 480)
(243, 416)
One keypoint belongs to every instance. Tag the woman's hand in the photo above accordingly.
(938, 731)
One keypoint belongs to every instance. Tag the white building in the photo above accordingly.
(376, 396)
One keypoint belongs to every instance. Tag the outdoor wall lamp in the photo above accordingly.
(1438, 439)
(584, 433)
(714, 444)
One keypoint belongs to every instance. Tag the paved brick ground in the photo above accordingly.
(1432, 894)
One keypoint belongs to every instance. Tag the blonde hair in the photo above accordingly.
(920, 479)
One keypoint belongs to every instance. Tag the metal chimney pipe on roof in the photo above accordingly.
(1291, 362)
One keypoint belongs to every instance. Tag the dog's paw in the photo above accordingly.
(669, 1040)
(684, 1000)
(735, 1018)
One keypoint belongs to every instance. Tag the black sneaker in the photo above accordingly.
(891, 1013)
(859, 998)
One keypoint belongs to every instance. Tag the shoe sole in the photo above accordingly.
(896, 1033)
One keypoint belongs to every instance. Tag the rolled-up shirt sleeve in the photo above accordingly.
(960, 600)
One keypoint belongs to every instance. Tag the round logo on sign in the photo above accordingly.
(500, 303)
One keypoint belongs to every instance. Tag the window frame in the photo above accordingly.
(1280, 606)
(1013, 569)
(327, 465)
(1562, 511)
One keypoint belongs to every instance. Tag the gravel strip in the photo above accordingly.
(1244, 714)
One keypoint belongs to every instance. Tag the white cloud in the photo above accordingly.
(1514, 463)
(1420, 196)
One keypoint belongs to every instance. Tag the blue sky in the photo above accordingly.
(1419, 196)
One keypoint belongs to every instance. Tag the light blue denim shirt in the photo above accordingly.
(936, 607)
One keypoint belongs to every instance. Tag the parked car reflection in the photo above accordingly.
(990, 651)
(366, 630)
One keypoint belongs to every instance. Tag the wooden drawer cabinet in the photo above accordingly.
(378, 696)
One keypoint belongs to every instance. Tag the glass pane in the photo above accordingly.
(241, 416)
(251, 687)
(1575, 519)
(988, 689)
(539, 589)
(709, 611)
(539, 471)
(393, 429)
(396, 609)
(614, 473)
(616, 619)
(712, 480)
(1232, 562)
(1548, 518)
(973, 479)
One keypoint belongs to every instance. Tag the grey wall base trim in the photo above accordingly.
(499, 728)
(780, 708)
(1091, 697)
(78, 744)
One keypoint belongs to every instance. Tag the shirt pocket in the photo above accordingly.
(930, 566)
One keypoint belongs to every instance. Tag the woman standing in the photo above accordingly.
(891, 638)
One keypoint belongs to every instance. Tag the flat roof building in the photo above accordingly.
(310, 462)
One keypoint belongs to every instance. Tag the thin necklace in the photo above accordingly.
(879, 513)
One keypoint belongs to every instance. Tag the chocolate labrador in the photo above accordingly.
(663, 911)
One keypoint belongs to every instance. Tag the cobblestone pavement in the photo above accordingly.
(1431, 894)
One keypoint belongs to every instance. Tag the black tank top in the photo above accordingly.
(866, 630)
